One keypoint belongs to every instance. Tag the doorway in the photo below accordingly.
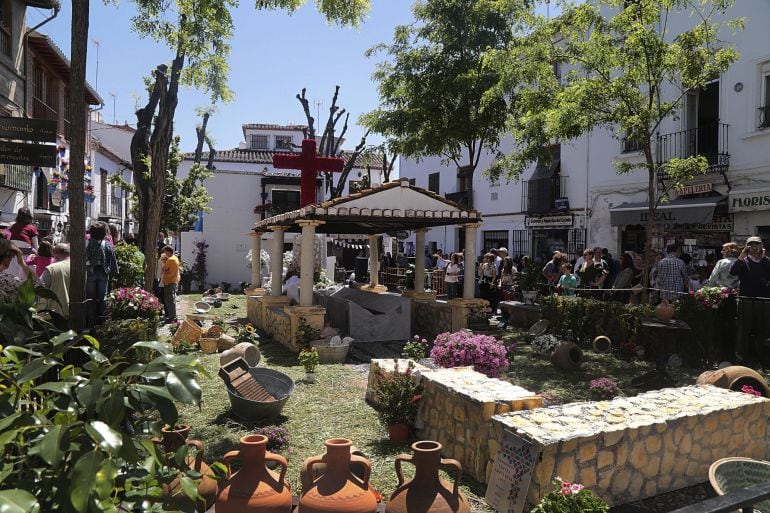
(702, 123)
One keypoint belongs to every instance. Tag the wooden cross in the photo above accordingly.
(309, 164)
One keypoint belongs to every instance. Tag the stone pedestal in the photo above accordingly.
(312, 315)
(257, 307)
(520, 314)
(255, 291)
(419, 296)
(464, 308)
(376, 289)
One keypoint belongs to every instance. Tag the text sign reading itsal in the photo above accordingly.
(27, 154)
(25, 129)
(511, 474)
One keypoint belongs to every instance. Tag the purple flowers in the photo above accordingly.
(604, 388)
(748, 389)
(712, 297)
(133, 303)
(277, 438)
(486, 354)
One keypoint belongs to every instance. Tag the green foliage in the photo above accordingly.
(185, 197)
(437, 96)
(416, 348)
(531, 276)
(308, 358)
(343, 12)
(571, 498)
(307, 333)
(77, 425)
(130, 266)
(119, 335)
(398, 396)
(19, 321)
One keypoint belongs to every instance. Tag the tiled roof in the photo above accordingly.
(46, 50)
(248, 156)
(269, 126)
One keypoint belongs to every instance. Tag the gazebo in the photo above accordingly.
(390, 207)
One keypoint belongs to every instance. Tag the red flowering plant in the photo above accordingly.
(399, 394)
(712, 297)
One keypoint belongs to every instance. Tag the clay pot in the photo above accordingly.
(319, 469)
(398, 432)
(173, 439)
(734, 378)
(602, 344)
(338, 490)
(254, 488)
(245, 350)
(567, 356)
(664, 312)
(427, 493)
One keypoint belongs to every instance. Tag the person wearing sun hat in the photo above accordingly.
(753, 271)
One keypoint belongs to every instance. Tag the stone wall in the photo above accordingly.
(429, 318)
(274, 316)
(456, 410)
(638, 447)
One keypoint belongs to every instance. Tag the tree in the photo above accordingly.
(197, 31)
(78, 115)
(626, 74)
(437, 96)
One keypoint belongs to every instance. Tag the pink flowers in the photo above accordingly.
(132, 303)
(486, 354)
(568, 488)
(748, 389)
(712, 297)
(604, 388)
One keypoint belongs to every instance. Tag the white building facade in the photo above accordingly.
(581, 201)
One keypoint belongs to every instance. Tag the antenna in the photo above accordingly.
(318, 105)
(114, 117)
(97, 43)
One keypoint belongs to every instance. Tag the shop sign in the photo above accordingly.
(748, 201)
(548, 221)
(722, 223)
(700, 188)
(27, 154)
(26, 129)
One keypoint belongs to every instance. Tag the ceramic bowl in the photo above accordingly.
(224, 296)
(202, 307)
(210, 300)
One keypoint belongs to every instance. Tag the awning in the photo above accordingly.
(678, 211)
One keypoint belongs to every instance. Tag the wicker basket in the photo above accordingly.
(214, 331)
(209, 345)
(188, 331)
(732, 474)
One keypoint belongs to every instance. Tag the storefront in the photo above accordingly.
(551, 233)
(750, 207)
(701, 225)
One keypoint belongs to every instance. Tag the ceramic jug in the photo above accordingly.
(338, 490)
(171, 440)
(254, 488)
(427, 492)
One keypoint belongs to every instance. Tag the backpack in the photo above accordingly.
(96, 256)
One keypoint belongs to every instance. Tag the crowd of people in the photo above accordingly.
(24, 255)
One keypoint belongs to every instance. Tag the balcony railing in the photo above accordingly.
(539, 196)
(16, 177)
(764, 116)
(114, 209)
(709, 141)
(41, 110)
(5, 41)
(461, 198)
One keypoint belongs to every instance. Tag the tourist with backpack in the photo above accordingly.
(100, 263)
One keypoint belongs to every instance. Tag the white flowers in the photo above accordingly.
(545, 344)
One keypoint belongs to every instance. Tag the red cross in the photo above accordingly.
(309, 164)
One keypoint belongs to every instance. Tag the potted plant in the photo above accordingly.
(570, 497)
(530, 279)
(398, 396)
(308, 358)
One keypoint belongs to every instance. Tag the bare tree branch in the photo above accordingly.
(310, 132)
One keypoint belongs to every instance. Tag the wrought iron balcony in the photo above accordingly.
(709, 141)
(41, 110)
(764, 116)
(539, 196)
(113, 210)
(461, 198)
(13, 176)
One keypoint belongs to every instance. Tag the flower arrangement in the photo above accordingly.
(712, 297)
(89, 190)
(545, 344)
(277, 438)
(748, 389)
(485, 353)
(603, 388)
(570, 498)
(416, 348)
(133, 303)
(308, 358)
(398, 395)
(247, 333)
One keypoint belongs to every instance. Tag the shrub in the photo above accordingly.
(120, 334)
(416, 349)
(308, 358)
(398, 396)
(545, 344)
(133, 303)
(307, 333)
(486, 354)
(570, 498)
(603, 388)
(277, 438)
(130, 271)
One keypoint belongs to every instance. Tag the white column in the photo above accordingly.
(256, 250)
(306, 267)
(419, 261)
(276, 261)
(469, 261)
(374, 278)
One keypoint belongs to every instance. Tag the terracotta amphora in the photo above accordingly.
(734, 378)
(172, 439)
(664, 312)
(338, 490)
(254, 488)
(427, 493)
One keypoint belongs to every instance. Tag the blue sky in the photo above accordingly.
(274, 55)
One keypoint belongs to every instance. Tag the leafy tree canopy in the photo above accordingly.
(437, 96)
